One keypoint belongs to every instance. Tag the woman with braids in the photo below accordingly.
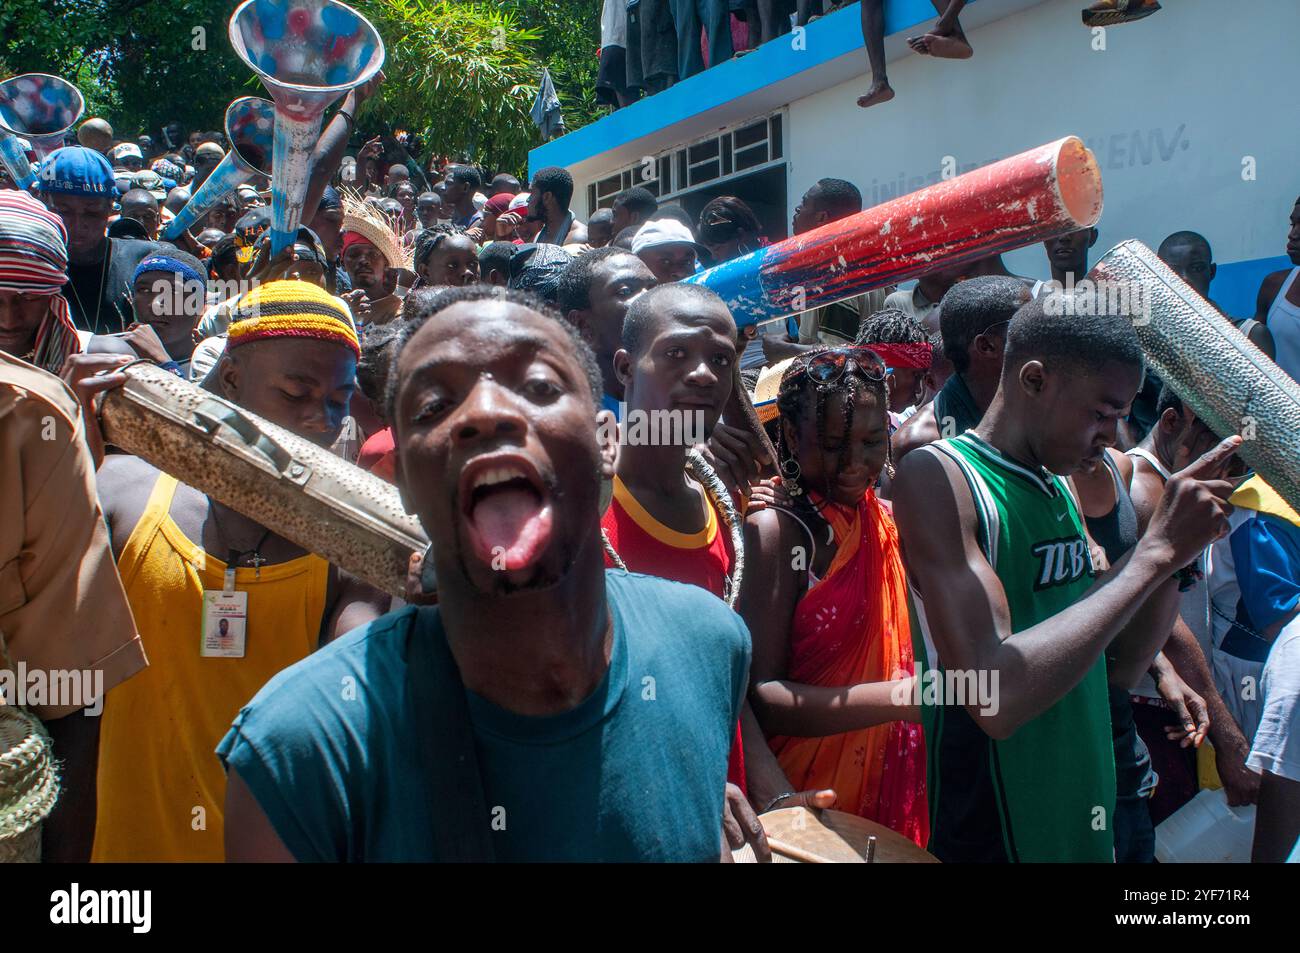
(826, 600)
(445, 255)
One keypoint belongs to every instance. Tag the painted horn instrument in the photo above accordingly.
(1027, 198)
(307, 53)
(289, 485)
(249, 128)
(1227, 381)
(41, 108)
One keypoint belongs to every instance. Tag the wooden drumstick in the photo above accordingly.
(797, 853)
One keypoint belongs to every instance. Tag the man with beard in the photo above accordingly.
(291, 358)
(548, 203)
(536, 664)
(371, 251)
(77, 185)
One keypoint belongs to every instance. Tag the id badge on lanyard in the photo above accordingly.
(225, 621)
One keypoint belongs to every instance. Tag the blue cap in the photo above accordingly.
(76, 170)
(175, 261)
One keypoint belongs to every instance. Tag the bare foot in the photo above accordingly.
(880, 92)
(943, 47)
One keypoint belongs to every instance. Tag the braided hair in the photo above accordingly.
(891, 326)
(798, 391)
(427, 242)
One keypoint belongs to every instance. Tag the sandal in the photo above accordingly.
(1115, 12)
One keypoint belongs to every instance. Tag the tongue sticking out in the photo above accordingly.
(510, 527)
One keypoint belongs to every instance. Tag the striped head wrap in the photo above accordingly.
(34, 260)
(291, 309)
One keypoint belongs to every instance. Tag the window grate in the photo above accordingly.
(742, 148)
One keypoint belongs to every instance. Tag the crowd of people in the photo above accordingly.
(646, 46)
(951, 484)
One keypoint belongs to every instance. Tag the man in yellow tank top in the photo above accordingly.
(291, 358)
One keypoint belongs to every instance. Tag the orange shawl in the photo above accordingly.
(850, 628)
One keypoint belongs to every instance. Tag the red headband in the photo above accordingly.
(917, 356)
(354, 238)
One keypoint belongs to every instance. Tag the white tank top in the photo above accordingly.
(1194, 605)
(1284, 324)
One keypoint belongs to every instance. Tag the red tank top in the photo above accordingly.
(701, 559)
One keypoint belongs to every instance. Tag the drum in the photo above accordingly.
(800, 836)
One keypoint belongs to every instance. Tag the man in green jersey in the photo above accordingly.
(1016, 595)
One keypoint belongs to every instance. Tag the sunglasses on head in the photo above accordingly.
(826, 367)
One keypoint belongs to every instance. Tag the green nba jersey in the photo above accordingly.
(1047, 793)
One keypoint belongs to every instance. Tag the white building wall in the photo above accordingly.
(1171, 107)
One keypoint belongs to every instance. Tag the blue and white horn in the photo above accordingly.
(250, 124)
(307, 53)
(41, 108)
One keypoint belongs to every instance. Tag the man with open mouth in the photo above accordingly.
(581, 714)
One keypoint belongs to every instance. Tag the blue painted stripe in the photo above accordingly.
(1236, 284)
(826, 39)
(738, 282)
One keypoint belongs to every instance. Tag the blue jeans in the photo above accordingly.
(688, 16)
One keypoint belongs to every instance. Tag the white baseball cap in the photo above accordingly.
(120, 152)
(519, 201)
(663, 231)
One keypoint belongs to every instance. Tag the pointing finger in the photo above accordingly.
(1212, 463)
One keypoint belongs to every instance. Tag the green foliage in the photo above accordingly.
(461, 77)
(139, 63)
(462, 74)
(570, 47)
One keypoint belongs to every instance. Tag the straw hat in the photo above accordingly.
(375, 227)
(765, 391)
(29, 785)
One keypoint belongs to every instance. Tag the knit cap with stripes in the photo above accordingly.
(291, 309)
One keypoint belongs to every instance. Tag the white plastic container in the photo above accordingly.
(1206, 830)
